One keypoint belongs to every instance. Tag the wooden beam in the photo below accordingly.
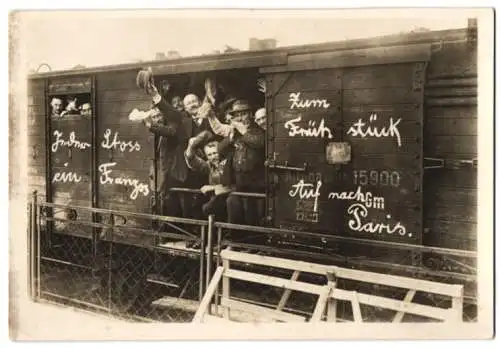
(331, 310)
(357, 57)
(400, 282)
(286, 294)
(205, 302)
(274, 281)
(395, 305)
(356, 310)
(321, 303)
(225, 288)
(408, 298)
(277, 262)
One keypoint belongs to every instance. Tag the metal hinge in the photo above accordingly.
(455, 164)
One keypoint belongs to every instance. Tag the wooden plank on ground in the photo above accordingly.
(261, 312)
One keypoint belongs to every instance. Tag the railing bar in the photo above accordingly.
(77, 222)
(445, 251)
(128, 213)
(62, 297)
(182, 230)
(45, 258)
(139, 230)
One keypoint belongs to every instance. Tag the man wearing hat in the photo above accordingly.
(245, 147)
(174, 130)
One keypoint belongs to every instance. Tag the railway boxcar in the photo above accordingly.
(369, 139)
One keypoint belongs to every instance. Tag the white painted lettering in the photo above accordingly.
(358, 212)
(363, 130)
(297, 103)
(367, 198)
(71, 142)
(106, 178)
(66, 177)
(313, 131)
(306, 191)
(113, 142)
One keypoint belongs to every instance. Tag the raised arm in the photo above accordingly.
(218, 127)
(196, 163)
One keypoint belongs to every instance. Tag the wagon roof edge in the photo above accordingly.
(377, 41)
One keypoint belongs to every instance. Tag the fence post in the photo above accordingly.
(209, 253)
(33, 246)
(201, 286)
(110, 263)
(218, 263)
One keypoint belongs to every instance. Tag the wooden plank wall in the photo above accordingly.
(117, 96)
(36, 136)
(450, 133)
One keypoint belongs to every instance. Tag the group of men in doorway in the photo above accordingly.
(215, 145)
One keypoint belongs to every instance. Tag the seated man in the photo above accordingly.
(217, 171)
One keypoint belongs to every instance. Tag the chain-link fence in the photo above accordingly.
(138, 267)
(143, 267)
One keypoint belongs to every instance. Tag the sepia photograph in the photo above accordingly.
(324, 171)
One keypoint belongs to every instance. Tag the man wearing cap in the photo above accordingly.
(245, 148)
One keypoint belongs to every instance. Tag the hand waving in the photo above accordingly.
(261, 83)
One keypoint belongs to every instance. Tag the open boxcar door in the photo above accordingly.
(345, 142)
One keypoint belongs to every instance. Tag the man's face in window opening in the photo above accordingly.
(191, 104)
(56, 106)
(243, 117)
(86, 110)
(261, 118)
(212, 153)
(177, 103)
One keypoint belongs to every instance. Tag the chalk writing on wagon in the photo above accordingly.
(108, 175)
(369, 199)
(113, 142)
(363, 129)
(298, 103)
(71, 142)
(305, 190)
(312, 130)
(106, 178)
(358, 213)
(65, 177)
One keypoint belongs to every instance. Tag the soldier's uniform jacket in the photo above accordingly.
(246, 154)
